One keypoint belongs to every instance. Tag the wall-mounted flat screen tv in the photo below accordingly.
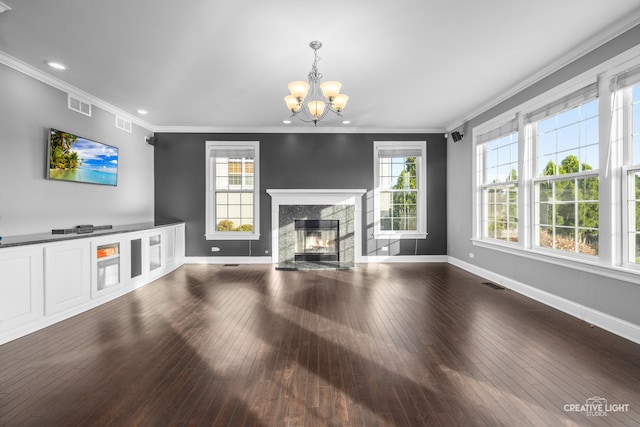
(77, 159)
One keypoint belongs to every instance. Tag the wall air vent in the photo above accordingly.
(78, 105)
(123, 124)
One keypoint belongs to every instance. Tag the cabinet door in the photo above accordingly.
(136, 259)
(67, 275)
(180, 244)
(155, 253)
(20, 286)
(170, 247)
(109, 265)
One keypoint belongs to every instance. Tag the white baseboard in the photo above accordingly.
(594, 317)
(267, 260)
(228, 260)
(404, 258)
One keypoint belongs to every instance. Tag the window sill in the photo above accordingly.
(587, 264)
(232, 235)
(399, 236)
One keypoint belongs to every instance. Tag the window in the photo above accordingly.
(566, 182)
(232, 203)
(498, 165)
(400, 189)
(634, 179)
(627, 103)
(572, 191)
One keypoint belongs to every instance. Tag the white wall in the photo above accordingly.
(29, 203)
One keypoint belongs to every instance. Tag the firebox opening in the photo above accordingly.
(317, 240)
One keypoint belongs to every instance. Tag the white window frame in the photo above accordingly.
(613, 168)
(538, 179)
(421, 202)
(210, 218)
(623, 101)
(485, 135)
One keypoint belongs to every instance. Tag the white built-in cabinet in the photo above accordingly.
(21, 287)
(66, 275)
(43, 283)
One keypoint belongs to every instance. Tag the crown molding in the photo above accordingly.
(289, 129)
(583, 49)
(63, 86)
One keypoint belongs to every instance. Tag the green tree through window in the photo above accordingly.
(569, 209)
(404, 208)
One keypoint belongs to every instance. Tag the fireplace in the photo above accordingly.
(344, 205)
(317, 240)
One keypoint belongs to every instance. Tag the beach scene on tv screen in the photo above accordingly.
(73, 158)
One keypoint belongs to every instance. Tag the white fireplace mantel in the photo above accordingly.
(351, 197)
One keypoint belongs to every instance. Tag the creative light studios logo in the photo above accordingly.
(596, 407)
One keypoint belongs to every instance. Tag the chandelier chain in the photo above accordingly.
(314, 74)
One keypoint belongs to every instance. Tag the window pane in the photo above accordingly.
(633, 223)
(545, 237)
(565, 190)
(501, 212)
(588, 215)
(568, 215)
(500, 202)
(635, 126)
(234, 211)
(401, 208)
(546, 213)
(246, 198)
(222, 182)
(222, 211)
(635, 257)
(222, 198)
(385, 224)
(234, 198)
(568, 141)
(501, 159)
(398, 198)
(235, 166)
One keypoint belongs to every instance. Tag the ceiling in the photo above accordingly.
(407, 65)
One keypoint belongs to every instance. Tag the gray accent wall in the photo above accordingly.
(613, 297)
(293, 161)
(29, 203)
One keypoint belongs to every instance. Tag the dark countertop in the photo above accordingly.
(34, 239)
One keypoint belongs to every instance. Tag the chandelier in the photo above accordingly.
(320, 97)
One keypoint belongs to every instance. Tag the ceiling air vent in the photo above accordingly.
(123, 124)
(79, 106)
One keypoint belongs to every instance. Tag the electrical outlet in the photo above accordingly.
(215, 249)
(471, 255)
(385, 249)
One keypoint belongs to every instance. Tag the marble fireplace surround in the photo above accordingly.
(303, 200)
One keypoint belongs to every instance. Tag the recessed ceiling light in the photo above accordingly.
(143, 112)
(56, 65)
(286, 122)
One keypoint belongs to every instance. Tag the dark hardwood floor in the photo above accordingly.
(385, 344)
